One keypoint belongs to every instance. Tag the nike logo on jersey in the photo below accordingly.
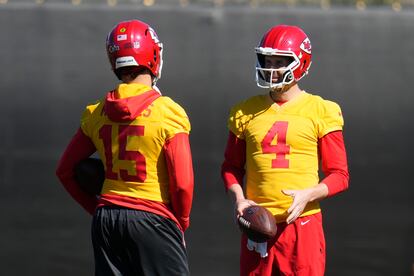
(304, 222)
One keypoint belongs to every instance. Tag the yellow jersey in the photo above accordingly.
(282, 146)
(132, 150)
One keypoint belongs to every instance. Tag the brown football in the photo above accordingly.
(258, 223)
(90, 175)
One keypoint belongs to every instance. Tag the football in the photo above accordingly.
(90, 175)
(258, 223)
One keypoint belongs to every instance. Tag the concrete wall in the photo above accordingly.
(53, 63)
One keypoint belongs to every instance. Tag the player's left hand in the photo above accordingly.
(300, 200)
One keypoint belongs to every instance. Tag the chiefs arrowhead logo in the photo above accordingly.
(306, 46)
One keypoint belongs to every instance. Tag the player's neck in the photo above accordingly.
(144, 79)
(285, 96)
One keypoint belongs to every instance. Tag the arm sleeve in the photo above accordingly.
(180, 170)
(80, 147)
(232, 169)
(334, 162)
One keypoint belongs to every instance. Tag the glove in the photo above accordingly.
(259, 247)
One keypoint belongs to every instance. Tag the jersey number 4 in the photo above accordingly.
(279, 130)
(124, 131)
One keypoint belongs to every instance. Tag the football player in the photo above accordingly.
(143, 139)
(276, 141)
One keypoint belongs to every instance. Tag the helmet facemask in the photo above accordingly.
(265, 77)
(161, 61)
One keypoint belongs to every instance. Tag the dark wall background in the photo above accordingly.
(53, 63)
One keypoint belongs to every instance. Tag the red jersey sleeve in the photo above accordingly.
(232, 169)
(334, 162)
(80, 147)
(180, 170)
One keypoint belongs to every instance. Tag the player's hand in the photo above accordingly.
(300, 200)
(240, 202)
(240, 205)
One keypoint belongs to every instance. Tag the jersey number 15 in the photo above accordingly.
(124, 131)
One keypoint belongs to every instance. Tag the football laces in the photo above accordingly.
(244, 222)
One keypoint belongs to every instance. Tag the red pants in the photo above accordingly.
(298, 250)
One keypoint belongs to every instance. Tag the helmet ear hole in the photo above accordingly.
(303, 64)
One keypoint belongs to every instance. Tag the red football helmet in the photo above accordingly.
(288, 41)
(134, 43)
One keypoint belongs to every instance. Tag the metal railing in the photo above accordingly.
(396, 5)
